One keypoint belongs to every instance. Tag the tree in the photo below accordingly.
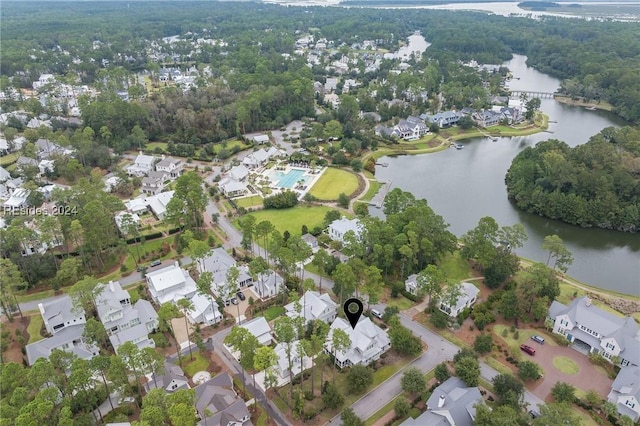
(340, 342)
(413, 381)
(532, 106)
(242, 341)
(94, 332)
(373, 284)
(557, 414)
(480, 243)
(343, 200)
(266, 360)
(331, 396)
(129, 353)
(503, 415)
(231, 286)
(402, 407)
(10, 280)
(359, 378)
(483, 343)
(83, 294)
(68, 272)
(430, 281)
(468, 370)
(186, 305)
(442, 372)
(528, 370)
(199, 250)
(203, 285)
(402, 339)
(333, 130)
(558, 252)
(563, 392)
(100, 364)
(344, 280)
(509, 305)
(322, 260)
(167, 312)
(509, 390)
(188, 202)
(349, 418)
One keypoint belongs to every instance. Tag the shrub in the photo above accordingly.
(282, 200)
(439, 319)
(402, 407)
(516, 335)
(505, 333)
(359, 378)
(483, 343)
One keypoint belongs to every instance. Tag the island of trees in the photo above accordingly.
(592, 185)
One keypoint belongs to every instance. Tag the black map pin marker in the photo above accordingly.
(353, 309)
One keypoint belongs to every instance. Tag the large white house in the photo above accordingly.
(204, 311)
(218, 263)
(625, 392)
(171, 166)
(368, 342)
(259, 327)
(314, 306)
(339, 227)
(465, 300)
(142, 165)
(60, 314)
(123, 321)
(597, 331)
(268, 285)
(170, 283)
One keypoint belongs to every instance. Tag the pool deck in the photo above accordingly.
(311, 179)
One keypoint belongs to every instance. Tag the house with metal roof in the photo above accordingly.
(314, 306)
(69, 339)
(259, 327)
(368, 342)
(625, 392)
(218, 404)
(468, 296)
(171, 166)
(411, 284)
(268, 285)
(170, 283)
(597, 331)
(59, 314)
(339, 227)
(172, 380)
(142, 165)
(218, 263)
(451, 404)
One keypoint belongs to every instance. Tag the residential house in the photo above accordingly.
(23, 163)
(46, 166)
(311, 241)
(218, 263)
(59, 314)
(260, 139)
(381, 130)
(451, 404)
(204, 311)
(314, 306)
(170, 283)
(259, 327)
(332, 100)
(339, 227)
(172, 167)
(142, 165)
(268, 285)
(69, 339)
(410, 129)
(153, 184)
(172, 380)
(443, 119)
(256, 159)
(468, 296)
(239, 173)
(368, 342)
(124, 219)
(232, 188)
(597, 331)
(124, 321)
(158, 203)
(486, 118)
(46, 149)
(218, 404)
(137, 206)
(411, 284)
(4, 174)
(625, 392)
(298, 364)
(111, 183)
(17, 201)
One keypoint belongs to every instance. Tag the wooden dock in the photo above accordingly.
(378, 200)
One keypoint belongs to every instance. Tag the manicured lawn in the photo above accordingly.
(135, 295)
(153, 145)
(455, 267)
(292, 219)
(246, 202)
(199, 363)
(565, 365)
(5, 160)
(497, 365)
(374, 186)
(273, 312)
(35, 325)
(230, 144)
(334, 182)
(401, 303)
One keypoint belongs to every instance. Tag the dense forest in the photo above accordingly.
(592, 185)
(597, 60)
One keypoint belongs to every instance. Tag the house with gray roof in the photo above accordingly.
(170, 283)
(46, 149)
(17, 200)
(597, 331)
(468, 296)
(368, 342)
(4, 174)
(239, 173)
(69, 339)
(153, 183)
(339, 227)
(172, 380)
(411, 284)
(259, 327)
(59, 314)
(142, 165)
(218, 263)
(451, 404)
(123, 321)
(232, 188)
(268, 285)
(218, 404)
(625, 392)
(171, 166)
(443, 119)
(314, 306)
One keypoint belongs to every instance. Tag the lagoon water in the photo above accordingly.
(465, 185)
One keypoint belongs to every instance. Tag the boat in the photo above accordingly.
(591, 108)
(459, 146)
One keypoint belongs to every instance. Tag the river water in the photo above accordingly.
(465, 185)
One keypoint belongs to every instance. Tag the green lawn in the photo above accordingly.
(455, 267)
(401, 303)
(497, 365)
(5, 160)
(230, 144)
(273, 312)
(246, 202)
(35, 325)
(292, 219)
(374, 187)
(153, 145)
(334, 182)
(565, 365)
(523, 337)
(199, 363)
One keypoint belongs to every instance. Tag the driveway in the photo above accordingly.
(180, 330)
(242, 304)
(587, 378)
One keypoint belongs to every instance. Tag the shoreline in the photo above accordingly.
(600, 106)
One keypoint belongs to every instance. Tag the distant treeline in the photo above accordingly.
(537, 5)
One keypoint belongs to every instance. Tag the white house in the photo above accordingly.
(339, 227)
(239, 173)
(158, 203)
(59, 314)
(298, 364)
(314, 306)
(465, 300)
(172, 380)
(111, 183)
(170, 283)
(218, 263)
(124, 218)
(256, 159)
(17, 201)
(268, 285)
(171, 166)
(411, 284)
(153, 184)
(232, 188)
(260, 139)
(69, 339)
(451, 403)
(123, 321)
(625, 392)
(368, 342)
(259, 327)
(204, 311)
(142, 165)
(597, 331)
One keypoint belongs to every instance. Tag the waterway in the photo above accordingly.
(465, 185)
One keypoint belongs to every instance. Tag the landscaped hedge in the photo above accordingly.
(411, 297)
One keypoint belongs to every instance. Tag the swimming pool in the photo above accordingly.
(289, 179)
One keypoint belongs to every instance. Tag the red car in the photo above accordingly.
(528, 349)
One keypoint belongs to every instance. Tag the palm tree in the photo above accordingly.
(186, 305)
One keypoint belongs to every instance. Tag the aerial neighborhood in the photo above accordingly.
(186, 209)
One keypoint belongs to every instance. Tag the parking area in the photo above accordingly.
(242, 304)
(589, 377)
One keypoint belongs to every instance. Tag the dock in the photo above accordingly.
(378, 199)
(382, 164)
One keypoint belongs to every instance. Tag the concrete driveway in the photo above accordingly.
(242, 304)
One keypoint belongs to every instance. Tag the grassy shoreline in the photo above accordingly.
(602, 106)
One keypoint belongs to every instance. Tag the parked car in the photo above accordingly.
(155, 263)
(538, 339)
(126, 400)
(534, 414)
(234, 301)
(528, 349)
(241, 295)
(376, 313)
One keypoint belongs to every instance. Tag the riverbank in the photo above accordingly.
(601, 105)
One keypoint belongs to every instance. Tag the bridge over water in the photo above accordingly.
(532, 94)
